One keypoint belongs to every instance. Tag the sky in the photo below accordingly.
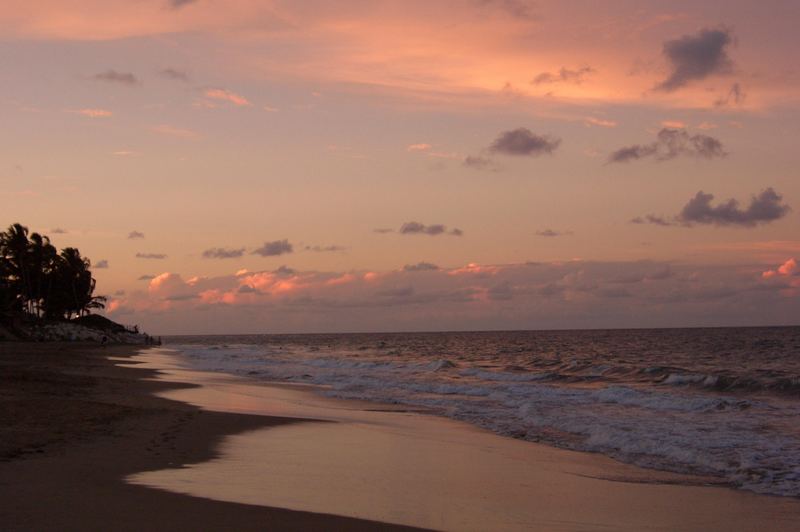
(246, 166)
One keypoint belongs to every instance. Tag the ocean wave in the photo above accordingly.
(662, 417)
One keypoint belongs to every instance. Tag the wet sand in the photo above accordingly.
(73, 424)
(383, 463)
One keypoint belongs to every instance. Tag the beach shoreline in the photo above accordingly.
(393, 464)
(115, 423)
(75, 423)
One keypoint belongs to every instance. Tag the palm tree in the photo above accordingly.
(77, 283)
(14, 246)
(41, 261)
(7, 296)
(36, 279)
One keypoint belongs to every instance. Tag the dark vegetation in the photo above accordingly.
(37, 282)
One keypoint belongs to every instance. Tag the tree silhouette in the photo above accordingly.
(39, 281)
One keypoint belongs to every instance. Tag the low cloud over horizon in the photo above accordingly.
(536, 295)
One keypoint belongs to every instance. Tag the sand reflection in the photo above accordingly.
(416, 469)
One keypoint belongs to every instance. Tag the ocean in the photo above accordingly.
(721, 402)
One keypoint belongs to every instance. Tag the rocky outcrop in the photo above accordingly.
(73, 332)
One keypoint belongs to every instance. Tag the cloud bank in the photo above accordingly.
(475, 296)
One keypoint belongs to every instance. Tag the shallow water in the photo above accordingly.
(722, 402)
(408, 468)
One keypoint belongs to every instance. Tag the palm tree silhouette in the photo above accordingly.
(37, 280)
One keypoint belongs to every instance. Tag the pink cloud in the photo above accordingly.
(274, 283)
(707, 125)
(787, 269)
(345, 278)
(546, 294)
(172, 131)
(227, 96)
(93, 113)
(403, 46)
(474, 269)
(592, 121)
(418, 147)
(674, 124)
(167, 284)
(211, 296)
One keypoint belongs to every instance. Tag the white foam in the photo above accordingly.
(674, 428)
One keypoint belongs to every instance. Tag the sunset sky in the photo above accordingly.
(299, 166)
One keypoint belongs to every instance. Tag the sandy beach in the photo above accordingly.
(87, 444)
(73, 424)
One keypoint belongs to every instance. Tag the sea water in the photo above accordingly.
(720, 402)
